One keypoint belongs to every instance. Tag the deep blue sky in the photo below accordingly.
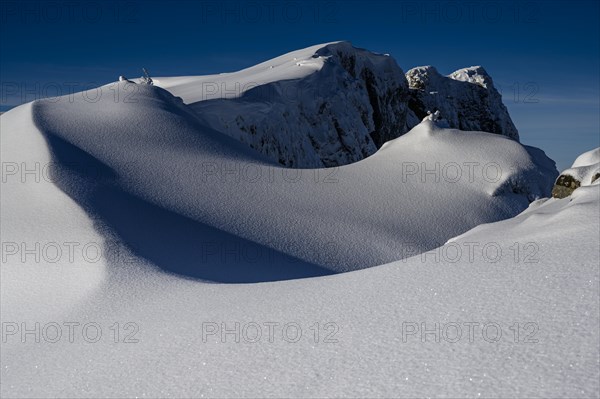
(544, 56)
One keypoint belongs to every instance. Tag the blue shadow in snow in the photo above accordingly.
(174, 243)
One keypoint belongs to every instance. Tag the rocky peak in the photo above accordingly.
(466, 98)
(475, 74)
(421, 77)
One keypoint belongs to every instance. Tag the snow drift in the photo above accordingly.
(155, 155)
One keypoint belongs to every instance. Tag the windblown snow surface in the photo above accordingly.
(140, 209)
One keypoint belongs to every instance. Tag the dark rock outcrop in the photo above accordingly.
(564, 186)
(467, 99)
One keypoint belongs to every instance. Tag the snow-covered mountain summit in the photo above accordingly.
(325, 105)
(334, 104)
(475, 74)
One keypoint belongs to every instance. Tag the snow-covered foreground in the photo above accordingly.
(112, 245)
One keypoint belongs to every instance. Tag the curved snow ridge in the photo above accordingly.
(587, 158)
(157, 157)
(529, 172)
(543, 218)
(42, 229)
(234, 84)
(294, 65)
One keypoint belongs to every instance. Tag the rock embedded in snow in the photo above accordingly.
(437, 119)
(584, 172)
(467, 99)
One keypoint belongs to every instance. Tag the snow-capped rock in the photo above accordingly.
(467, 99)
(437, 119)
(584, 172)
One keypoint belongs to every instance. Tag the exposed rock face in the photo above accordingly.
(467, 99)
(564, 186)
(584, 172)
(343, 112)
